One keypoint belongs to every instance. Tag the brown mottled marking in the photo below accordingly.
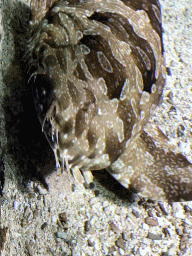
(97, 72)
(3, 233)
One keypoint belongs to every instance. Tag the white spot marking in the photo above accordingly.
(88, 13)
(169, 170)
(120, 133)
(139, 80)
(133, 105)
(84, 49)
(136, 128)
(114, 104)
(102, 85)
(148, 158)
(156, 12)
(79, 35)
(85, 69)
(153, 88)
(144, 57)
(104, 62)
(126, 89)
(144, 97)
(142, 115)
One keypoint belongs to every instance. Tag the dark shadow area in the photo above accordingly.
(29, 149)
(2, 167)
(2, 178)
(111, 184)
(106, 180)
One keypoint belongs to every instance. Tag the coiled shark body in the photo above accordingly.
(97, 73)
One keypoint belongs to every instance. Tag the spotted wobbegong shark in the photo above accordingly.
(97, 72)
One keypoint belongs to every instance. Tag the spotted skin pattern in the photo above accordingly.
(97, 73)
